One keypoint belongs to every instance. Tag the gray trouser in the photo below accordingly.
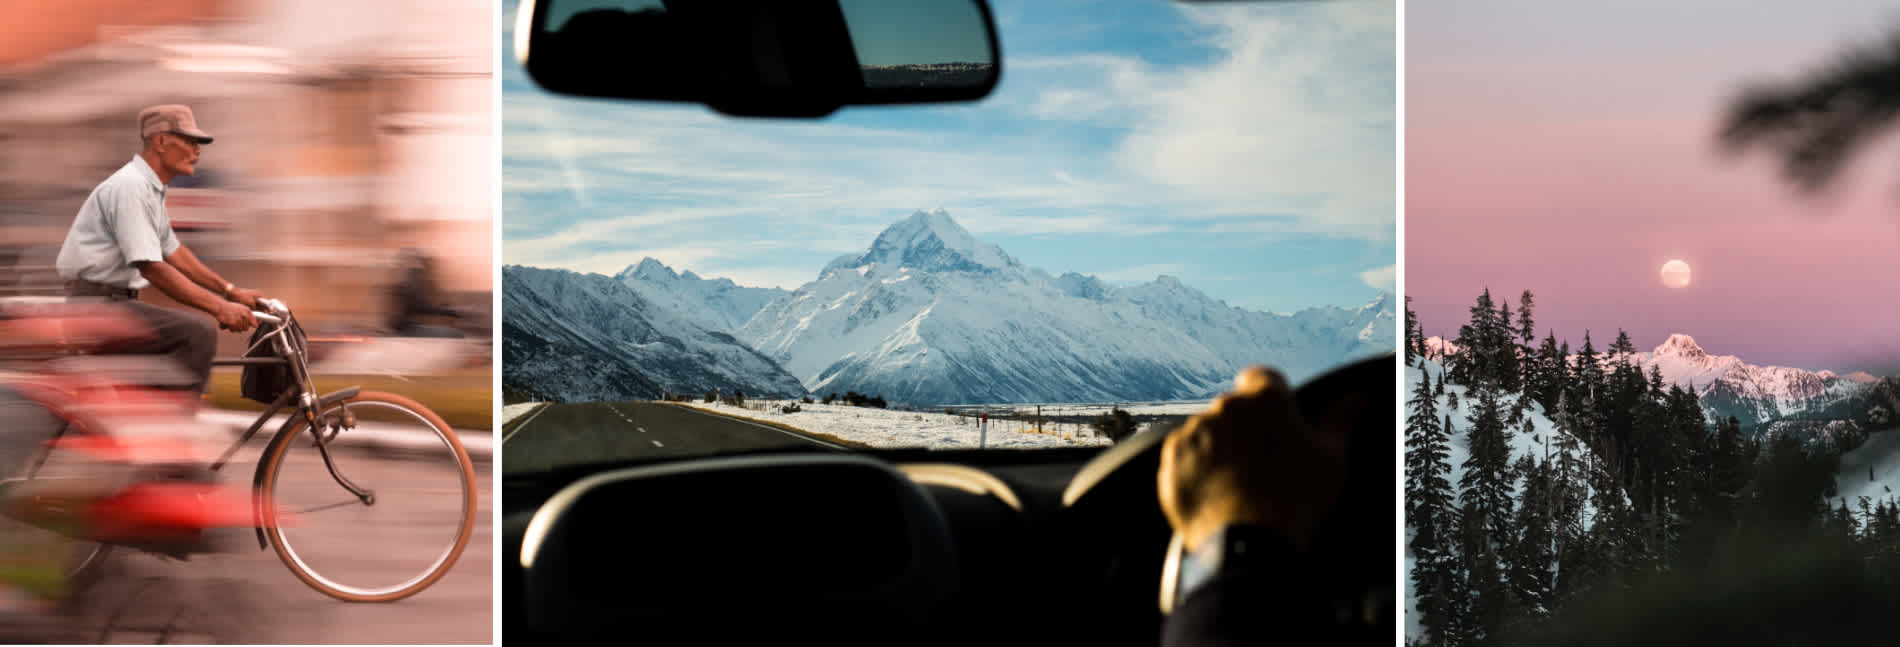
(188, 338)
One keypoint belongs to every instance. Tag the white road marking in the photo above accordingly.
(799, 436)
(524, 424)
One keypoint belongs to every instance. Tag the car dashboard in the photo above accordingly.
(895, 547)
(911, 547)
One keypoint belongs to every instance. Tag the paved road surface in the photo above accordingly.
(566, 434)
(248, 596)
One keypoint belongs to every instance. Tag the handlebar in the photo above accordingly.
(274, 312)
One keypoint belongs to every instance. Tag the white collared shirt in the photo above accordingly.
(122, 223)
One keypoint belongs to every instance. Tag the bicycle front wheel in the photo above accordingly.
(373, 512)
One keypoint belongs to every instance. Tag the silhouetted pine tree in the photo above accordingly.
(1486, 484)
(1505, 370)
(1430, 513)
(1475, 344)
(1532, 557)
(1412, 338)
(1528, 373)
(1490, 602)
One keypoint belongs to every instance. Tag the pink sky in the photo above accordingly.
(1568, 156)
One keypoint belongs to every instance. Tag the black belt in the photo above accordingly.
(83, 288)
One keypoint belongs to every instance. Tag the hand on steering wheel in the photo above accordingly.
(1252, 458)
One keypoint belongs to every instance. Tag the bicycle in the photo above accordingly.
(305, 539)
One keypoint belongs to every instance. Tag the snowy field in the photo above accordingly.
(1180, 408)
(887, 428)
(1871, 470)
(512, 411)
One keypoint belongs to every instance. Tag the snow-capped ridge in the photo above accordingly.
(1680, 345)
(1730, 387)
(927, 241)
(717, 304)
(928, 314)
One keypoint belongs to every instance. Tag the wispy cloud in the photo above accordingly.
(1294, 116)
(1382, 278)
(1264, 133)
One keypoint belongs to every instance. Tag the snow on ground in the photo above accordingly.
(1881, 455)
(512, 411)
(1521, 444)
(1178, 408)
(890, 428)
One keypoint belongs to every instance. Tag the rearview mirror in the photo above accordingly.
(780, 58)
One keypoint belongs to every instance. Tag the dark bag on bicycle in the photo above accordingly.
(264, 383)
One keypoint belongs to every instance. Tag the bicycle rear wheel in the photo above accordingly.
(25, 456)
(399, 539)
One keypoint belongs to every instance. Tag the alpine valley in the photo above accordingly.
(926, 315)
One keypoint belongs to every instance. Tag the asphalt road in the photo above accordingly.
(249, 596)
(556, 435)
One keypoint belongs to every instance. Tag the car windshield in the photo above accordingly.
(1156, 195)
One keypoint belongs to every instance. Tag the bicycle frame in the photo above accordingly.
(307, 407)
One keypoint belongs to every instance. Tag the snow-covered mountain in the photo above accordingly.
(715, 304)
(1767, 399)
(587, 337)
(929, 314)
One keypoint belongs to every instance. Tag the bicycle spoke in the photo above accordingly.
(338, 504)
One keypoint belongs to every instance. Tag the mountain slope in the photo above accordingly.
(715, 304)
(928, 314)
(1541, 446)
(589, 338)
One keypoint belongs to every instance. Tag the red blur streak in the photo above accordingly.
(124, 450)
(80, 332)
(149, 509)
(107, 401)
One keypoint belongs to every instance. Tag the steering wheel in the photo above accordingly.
(1114, 495)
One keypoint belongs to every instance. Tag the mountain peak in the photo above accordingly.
(1383, 301)
(928, 240)
(922, 226)
(1680, 345)
(649, 269)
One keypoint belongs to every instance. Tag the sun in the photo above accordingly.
(1675, 274)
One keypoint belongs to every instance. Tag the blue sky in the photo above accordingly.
(1246, 148)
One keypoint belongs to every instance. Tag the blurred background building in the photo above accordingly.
(347, 130)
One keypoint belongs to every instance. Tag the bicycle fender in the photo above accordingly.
(336, 396)
(257, 477)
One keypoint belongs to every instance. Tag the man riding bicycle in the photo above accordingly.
(122, 241)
